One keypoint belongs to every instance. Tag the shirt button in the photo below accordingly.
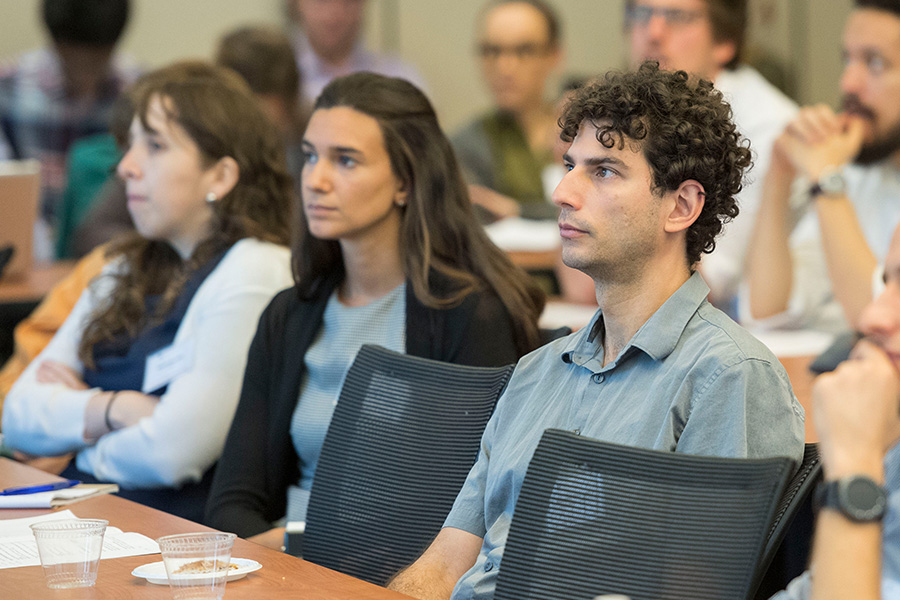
(598, 377)
(576, 431)
(488, 566)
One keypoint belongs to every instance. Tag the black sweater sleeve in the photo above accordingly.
(241, 499)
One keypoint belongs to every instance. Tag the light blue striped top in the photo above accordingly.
(344, 331)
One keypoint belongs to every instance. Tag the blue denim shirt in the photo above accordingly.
(690, 380)
(799, 589)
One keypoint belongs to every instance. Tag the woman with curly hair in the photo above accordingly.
(142, 380)
(389, 252)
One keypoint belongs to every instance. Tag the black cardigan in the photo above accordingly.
(259, 462)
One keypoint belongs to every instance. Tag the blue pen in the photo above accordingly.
(35, 489)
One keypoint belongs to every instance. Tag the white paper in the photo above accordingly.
(524, 235)
(18, 547)
(795, 342)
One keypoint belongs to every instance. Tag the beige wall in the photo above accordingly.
(160, 30)
(438, 36)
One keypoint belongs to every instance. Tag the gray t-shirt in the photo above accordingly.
(344, 331)
(690, 380)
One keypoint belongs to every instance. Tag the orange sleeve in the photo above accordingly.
(34, 332)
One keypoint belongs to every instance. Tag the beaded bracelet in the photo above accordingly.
(106, 412)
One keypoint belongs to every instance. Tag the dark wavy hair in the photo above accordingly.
(217, 110)
(685, 131)
(439, 233)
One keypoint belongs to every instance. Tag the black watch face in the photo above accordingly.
(865, 498)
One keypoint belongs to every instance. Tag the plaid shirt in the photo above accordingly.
(38, 120)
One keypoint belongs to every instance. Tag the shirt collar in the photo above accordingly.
(657, 337)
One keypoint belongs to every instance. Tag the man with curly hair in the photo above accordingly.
(706, 38)
(653, 168)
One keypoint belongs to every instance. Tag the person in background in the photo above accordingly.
(90, 179)
(389, 252)
(246, 51)
(653, 168)
(706, 38)
(263, 56)
(327, 44)
(504, 153)
(55, 95)
(856, 552)
(142, 380)
(822, 271)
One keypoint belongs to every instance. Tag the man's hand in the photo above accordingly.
(819, 138)
(51, 371)
(857, 412)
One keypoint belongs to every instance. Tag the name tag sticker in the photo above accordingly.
(163, 366)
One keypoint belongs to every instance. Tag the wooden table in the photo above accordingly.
(33, 285)
(282, 576)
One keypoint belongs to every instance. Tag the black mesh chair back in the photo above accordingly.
(404, 434)
(794, 498)
(598, 518)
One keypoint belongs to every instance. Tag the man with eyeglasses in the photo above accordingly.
(846, 166)
(705, 38)
(504, 152)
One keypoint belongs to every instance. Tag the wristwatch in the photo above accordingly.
(858, 497)
(831, 183)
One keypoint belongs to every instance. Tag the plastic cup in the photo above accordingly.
(197, 563)
(70, 551)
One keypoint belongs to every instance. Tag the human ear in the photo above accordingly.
(723, 53)
(689, 199)
(225, 174)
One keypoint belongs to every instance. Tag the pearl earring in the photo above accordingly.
(212, 198)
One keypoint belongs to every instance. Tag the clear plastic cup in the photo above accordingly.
(70, 550)
(197, 563)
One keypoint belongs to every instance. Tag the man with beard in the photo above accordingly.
(652, 172)
(822, 273)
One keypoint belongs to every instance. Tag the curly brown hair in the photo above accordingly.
(685, 131)
(216, 109)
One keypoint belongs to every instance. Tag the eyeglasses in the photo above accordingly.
(639, 14)
(520, 51)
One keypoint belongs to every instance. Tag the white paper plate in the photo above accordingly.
(156, 572)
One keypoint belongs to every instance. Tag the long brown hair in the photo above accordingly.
(216, 109)
(439, 233)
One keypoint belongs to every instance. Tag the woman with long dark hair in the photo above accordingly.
(142, 380)
(388, 252)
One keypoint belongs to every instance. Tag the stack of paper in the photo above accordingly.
(19, 549)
